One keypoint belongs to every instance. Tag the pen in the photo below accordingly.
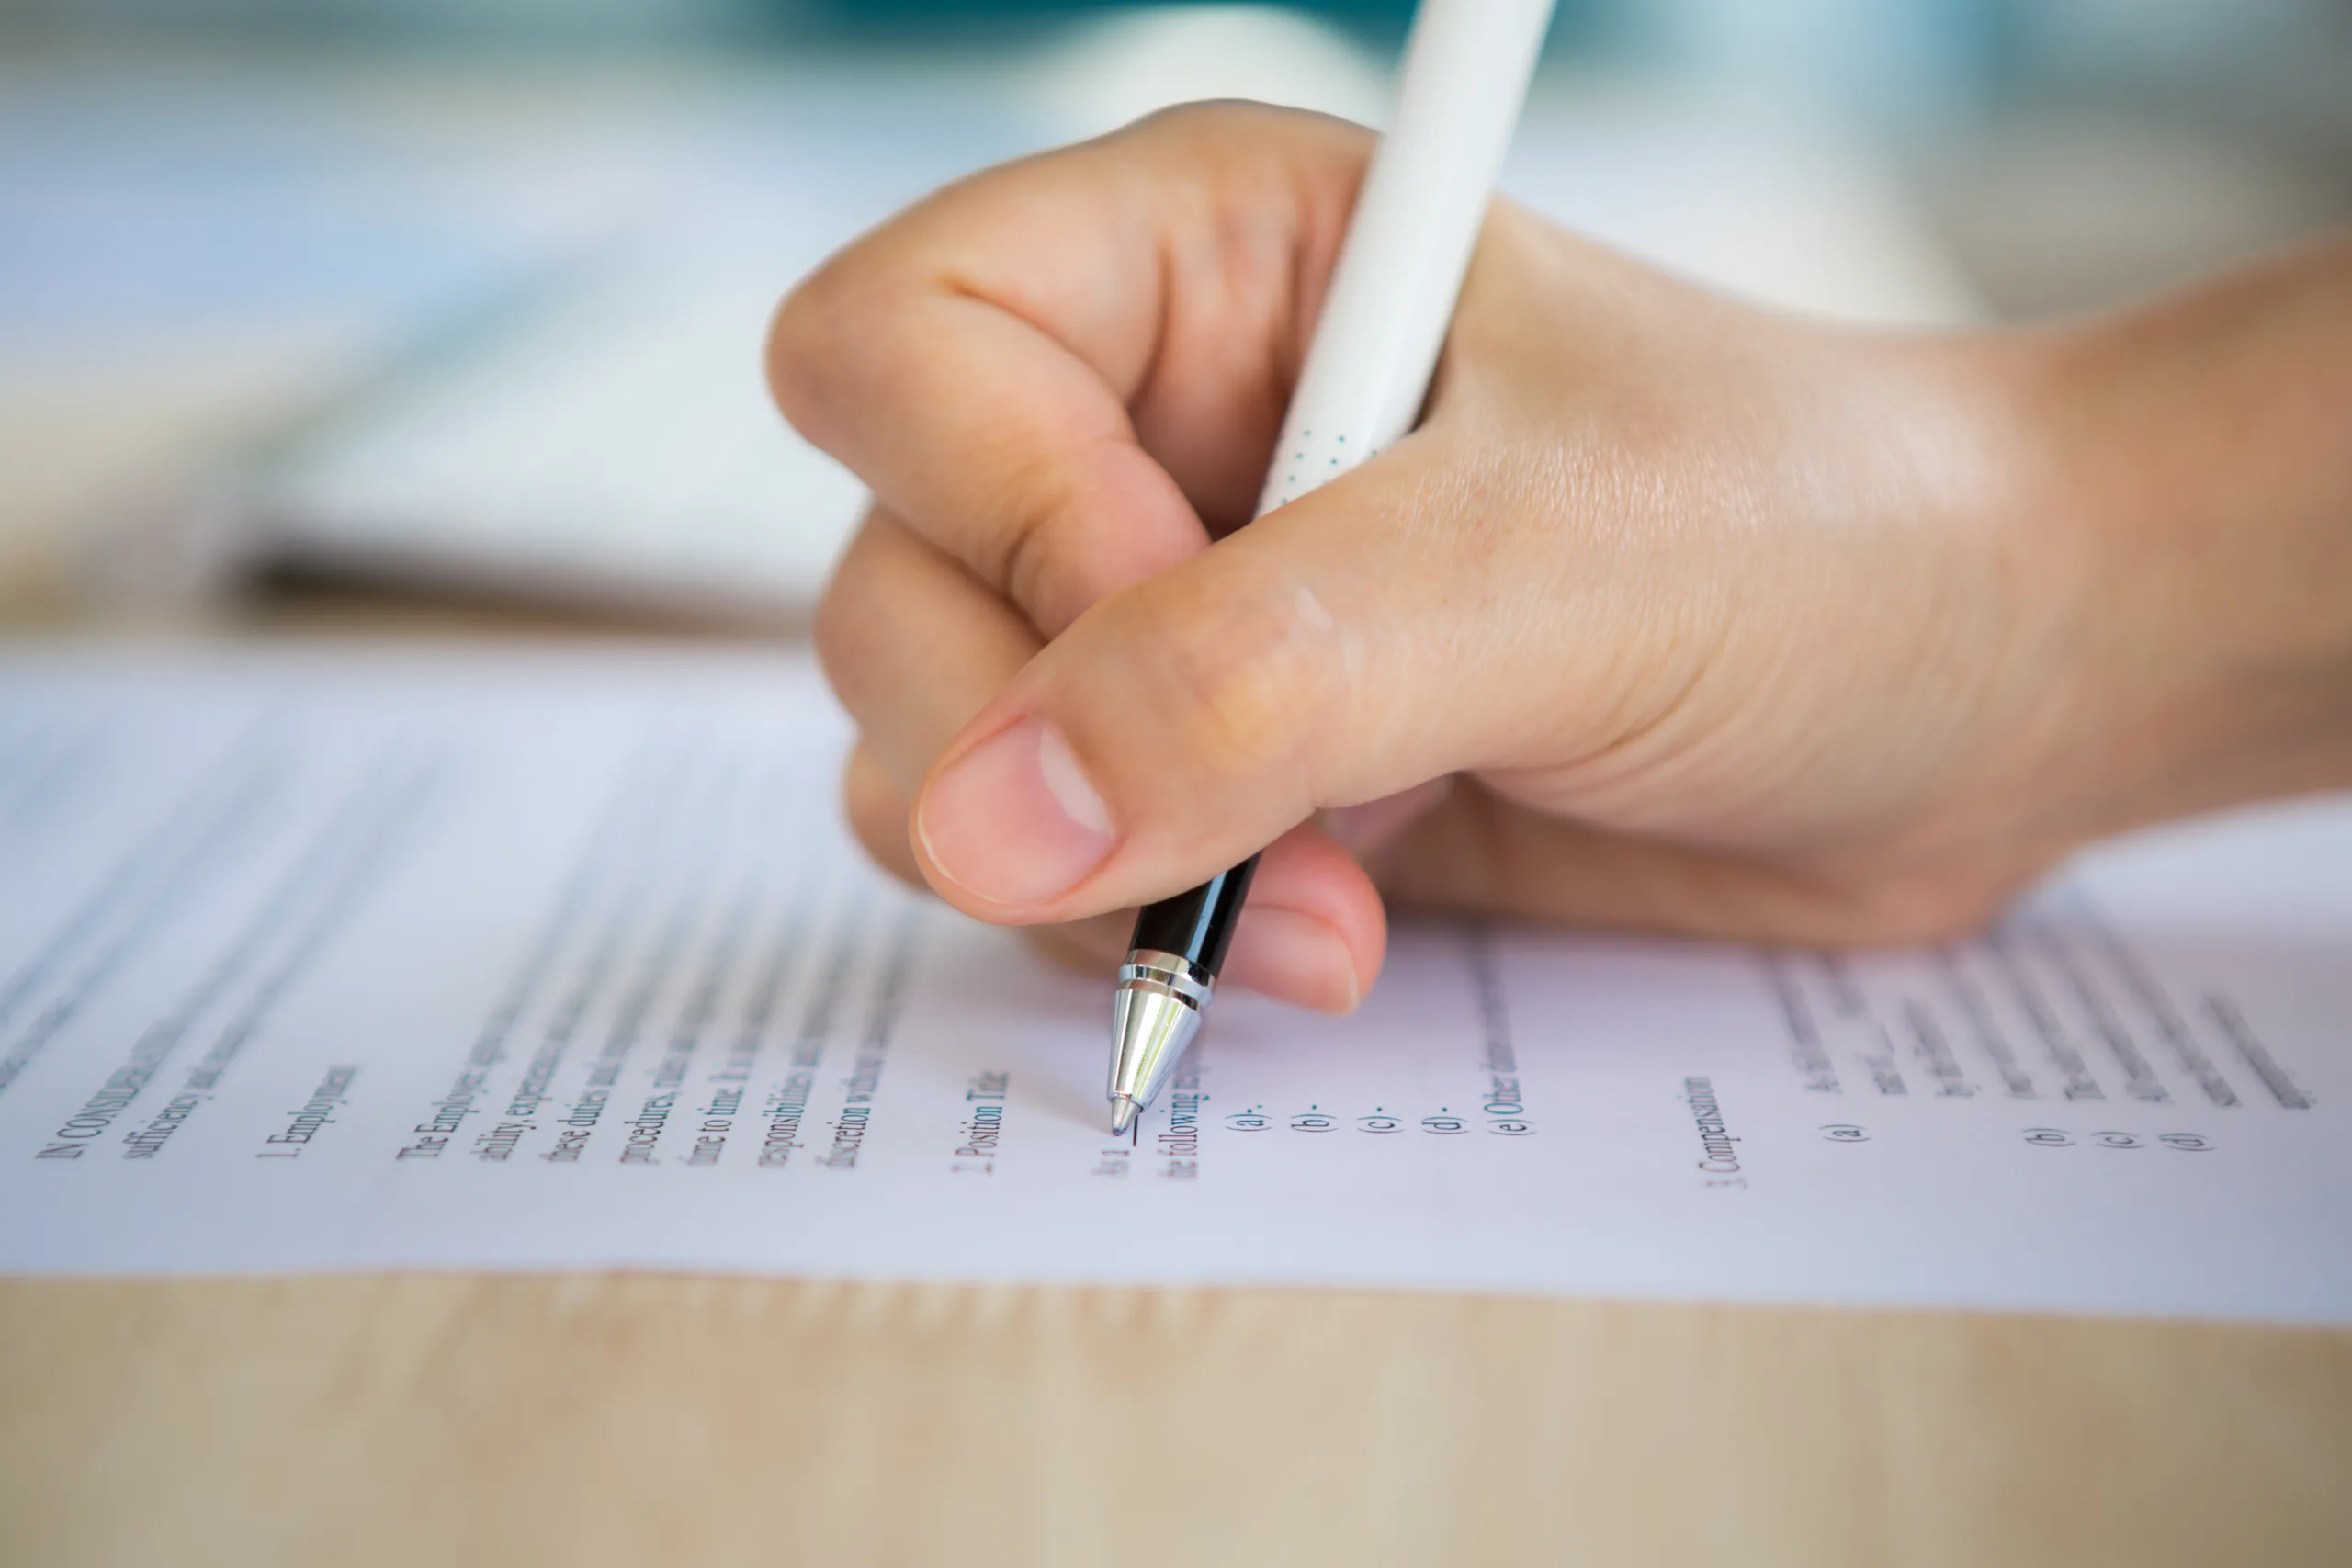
(1392, 293)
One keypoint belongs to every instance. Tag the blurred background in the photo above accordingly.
(462, 298)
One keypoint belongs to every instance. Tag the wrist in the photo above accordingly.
(2194, 454)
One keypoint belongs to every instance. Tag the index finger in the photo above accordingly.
(1068, 372)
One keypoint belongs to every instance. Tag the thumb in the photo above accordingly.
(1386, 630)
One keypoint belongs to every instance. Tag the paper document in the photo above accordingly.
(321, 959)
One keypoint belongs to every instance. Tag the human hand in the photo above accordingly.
(1673, 613)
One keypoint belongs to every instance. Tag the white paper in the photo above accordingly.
(323, 960)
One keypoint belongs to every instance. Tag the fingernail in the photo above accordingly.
(1294, 958)
(1015, 821)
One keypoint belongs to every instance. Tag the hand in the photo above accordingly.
(1673, 613)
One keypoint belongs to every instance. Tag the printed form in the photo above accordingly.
(321, 959)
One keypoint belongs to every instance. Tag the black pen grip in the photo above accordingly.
(1197, 924)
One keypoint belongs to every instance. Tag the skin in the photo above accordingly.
(1673, 613)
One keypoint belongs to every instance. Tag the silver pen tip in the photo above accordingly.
(1155, 1012)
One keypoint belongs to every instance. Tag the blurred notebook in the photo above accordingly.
(607, 446)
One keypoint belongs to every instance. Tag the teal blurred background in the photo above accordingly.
(2074, 149)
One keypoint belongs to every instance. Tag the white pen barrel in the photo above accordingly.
(1417, 218)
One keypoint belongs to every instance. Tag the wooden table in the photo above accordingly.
(633, 1419)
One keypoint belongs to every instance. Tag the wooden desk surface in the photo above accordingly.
(632, 1420)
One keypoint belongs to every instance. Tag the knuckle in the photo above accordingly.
(834, 633)
(1242, 122)
(808, 338)
(877, 816)
(1254, 677)
(847, 625)
(1210, 116)
(1020, 526)
(1007, 550)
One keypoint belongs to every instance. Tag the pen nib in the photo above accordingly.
(1155, 1012)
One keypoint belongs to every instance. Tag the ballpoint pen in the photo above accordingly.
(1400, 271)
